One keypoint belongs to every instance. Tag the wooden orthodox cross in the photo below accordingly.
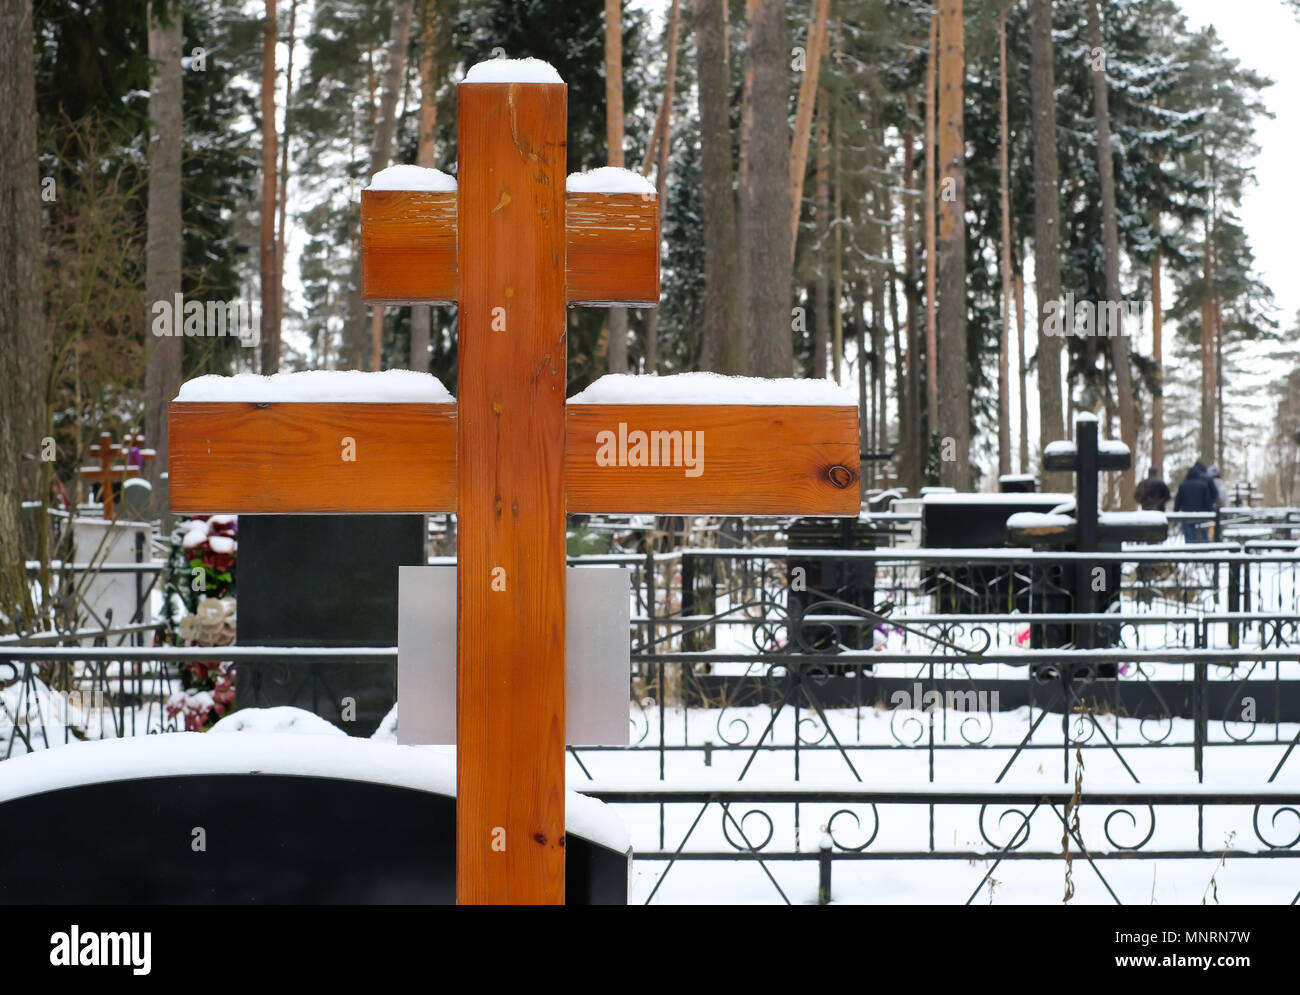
(512, 249)
(107, 472)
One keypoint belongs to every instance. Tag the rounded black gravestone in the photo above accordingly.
(198, 818)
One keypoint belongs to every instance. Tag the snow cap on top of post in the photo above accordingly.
(407, 177)
(512, 71)
(608, 179)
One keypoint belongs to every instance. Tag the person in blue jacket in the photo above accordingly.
(1195, 493)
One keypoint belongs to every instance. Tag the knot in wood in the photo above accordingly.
(841, 476)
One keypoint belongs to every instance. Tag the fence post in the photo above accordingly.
(824, 869)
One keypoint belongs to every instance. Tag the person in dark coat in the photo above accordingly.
(1195, 493)
(1152, 493)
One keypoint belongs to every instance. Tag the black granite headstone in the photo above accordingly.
(323, 580)
(976, 521)
(270, 839)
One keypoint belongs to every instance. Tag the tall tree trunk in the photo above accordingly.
(422, 314)
(1004, 343)
(821, 282)
(1218, 379)
(881, 273)
(661, 176)
(1110, 241)
(720, 349)
(765, 196)
(914, 451)
(1022, 369)
(399, 40)
(163, 246)
(1047, 225)
(954, 404)
(1157, 358)
(902, 447)
(803, 117)
(742, 182)
(20, 297)
(1207, 348)
(617, 349)
(284, 174)
(931, 322)
(864, 415)
(837, 242)
(270, 328)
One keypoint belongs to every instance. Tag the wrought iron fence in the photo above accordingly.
(734, 678)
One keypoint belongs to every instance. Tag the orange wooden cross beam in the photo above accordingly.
(512, 246)
(107, 473)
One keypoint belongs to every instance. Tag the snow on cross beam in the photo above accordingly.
(347, 442)
(513, 248)
(409, 243)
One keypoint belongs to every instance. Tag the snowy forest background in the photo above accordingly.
(217, 149)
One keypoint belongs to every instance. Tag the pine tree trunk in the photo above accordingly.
(163, 246)
(661, 176)
(1207, 348)
(1218, 379)
(864, 413)
(1021, 368)
(837, 244)
(914, 450)
(816, 45)
(284, 174)
(954, 405)
(20, 296)
(881, 278)
(931, 268)
(765, 196)
(422, 314)
(720, 350)
(1047, 225)
(270, 329)
(399, 41)
(821, 283)
(1157, 357)
(617, 350)
(1004, 342)
(1110, 242)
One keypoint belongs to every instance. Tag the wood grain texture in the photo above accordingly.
(612, 244)
(240, 458)
(757, 460)
(510, 643)
(408, 247)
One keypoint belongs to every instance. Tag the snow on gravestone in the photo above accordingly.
(308, 817)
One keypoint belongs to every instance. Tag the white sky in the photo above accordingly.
(1265, 36)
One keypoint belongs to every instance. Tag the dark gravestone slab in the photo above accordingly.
(976, 521)
(1017, 483)
(323, 580)
(270, 838)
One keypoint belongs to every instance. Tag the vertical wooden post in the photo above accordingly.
(511, 546)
